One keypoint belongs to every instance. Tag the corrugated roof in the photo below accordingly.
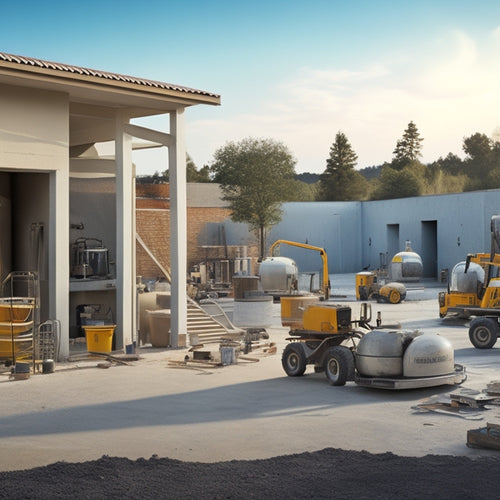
(67, 68)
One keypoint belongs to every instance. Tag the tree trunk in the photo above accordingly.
(262, 242)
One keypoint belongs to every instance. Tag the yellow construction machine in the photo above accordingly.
(346, 349)
(370, 286)
(279, 277)
(474, 290)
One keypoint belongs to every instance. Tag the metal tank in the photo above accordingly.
(279, 276)
(406, 266)
(428, 355)
(466, 282)
(380, 354)
(404, 354)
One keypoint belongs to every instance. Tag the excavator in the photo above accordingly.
(474, 290)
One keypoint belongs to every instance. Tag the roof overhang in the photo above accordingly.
(89, 86)
(96, 96)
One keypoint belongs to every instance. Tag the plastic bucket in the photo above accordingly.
(99, 337)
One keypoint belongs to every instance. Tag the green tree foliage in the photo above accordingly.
(397, 183)
(451, 164)
(408, 148)
(307, 177)
(482, 162)
(340, 181)
(195, 175)
(256, 177)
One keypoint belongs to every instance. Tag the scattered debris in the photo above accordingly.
(477, 401)
(227, 353)
(460, 405)
(493, 387)
(121, 359)
(485, 437)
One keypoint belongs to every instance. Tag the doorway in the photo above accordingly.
(429, 248)
(392, 240)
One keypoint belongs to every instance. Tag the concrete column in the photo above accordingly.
(125, 237)
(178, 226)
(59, 255)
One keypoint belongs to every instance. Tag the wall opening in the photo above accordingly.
(429, 248)
(392, 240)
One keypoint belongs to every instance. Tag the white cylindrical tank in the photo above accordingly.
(428, 355)
(466, 282)
(279, 275)
(406, 266)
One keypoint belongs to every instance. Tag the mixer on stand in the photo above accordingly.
(89, 259)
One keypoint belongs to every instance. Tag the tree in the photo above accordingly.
(451, 164)
(397, 184)
(256, 177)
(192, 173)
(195, 175)
(340, 181)
(408, 148)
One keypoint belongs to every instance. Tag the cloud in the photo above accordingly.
(448, 86)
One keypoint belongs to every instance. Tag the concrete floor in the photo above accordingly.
(244, 411)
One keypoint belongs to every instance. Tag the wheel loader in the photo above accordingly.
(371, 356)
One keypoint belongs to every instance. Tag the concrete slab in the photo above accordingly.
(244, 411)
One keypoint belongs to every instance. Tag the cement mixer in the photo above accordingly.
(353, 350)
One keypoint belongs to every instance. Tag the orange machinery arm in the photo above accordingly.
(325, 276)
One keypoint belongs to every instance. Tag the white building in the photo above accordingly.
(51, 116)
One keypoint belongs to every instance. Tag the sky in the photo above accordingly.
(294, 71)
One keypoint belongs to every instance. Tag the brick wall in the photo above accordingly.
(153, 226)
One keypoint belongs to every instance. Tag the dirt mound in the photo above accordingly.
(329, 473)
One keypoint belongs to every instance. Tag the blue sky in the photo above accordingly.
(295, 71)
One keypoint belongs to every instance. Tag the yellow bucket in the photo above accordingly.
(99, 337)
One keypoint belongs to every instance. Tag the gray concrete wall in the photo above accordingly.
(334, 226)
(442, 229)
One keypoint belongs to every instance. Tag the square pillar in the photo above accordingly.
(178, 226)
(125, 237)
(59, 255)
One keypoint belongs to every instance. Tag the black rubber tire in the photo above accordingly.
(483, 332)
(363, 293)
(293, 360)
(339, 365)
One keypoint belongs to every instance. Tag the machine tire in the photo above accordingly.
(363, 293)
(483, 332)
(394, 297)
(294, 359)
(339, 365)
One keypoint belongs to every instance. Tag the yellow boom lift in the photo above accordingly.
(325, 280)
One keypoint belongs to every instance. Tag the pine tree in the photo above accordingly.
(408, 148)
(340, 181)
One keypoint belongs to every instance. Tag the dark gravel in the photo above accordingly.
(329, 473)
